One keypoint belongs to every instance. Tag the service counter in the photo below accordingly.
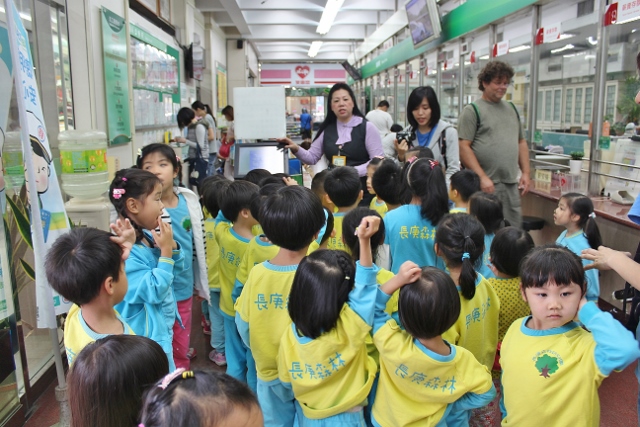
(617, 231)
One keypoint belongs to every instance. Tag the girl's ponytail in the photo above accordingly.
(427, 182)
(581, 205)
(460, 239)
(468, 275)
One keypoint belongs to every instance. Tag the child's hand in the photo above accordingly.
(368, 227)
(125, 236)
(409, 272)
(164, 239)
(583, 301)
(289, 181)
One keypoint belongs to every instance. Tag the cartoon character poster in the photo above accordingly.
(47, 213)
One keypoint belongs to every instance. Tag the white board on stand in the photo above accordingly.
(259, 112)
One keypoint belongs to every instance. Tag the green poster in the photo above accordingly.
(116, 77)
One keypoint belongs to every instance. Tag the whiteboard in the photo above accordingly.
(259, 112)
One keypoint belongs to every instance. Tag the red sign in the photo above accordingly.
(500, 49)
(303, 71)
(472, 58)
(540, 36)
(611, 15)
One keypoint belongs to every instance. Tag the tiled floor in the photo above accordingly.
(618, 393)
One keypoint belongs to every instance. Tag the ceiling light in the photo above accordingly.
(25, 16)
(313, 50)
(484, 57)
(562, 49)
(328, 16)
(592, 41)
(519, 48)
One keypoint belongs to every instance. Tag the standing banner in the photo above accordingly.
(48, 217)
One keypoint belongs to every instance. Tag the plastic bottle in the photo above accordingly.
(83, 160)
(13, 161)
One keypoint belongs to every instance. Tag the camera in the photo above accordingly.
(406, 136)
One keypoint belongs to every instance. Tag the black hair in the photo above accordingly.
(281, 175)
(256, 176)
(164, 150)
(210, 190)
(420, 153)
(396, 128)
(349, 224)
(272, 180)
(80, 261)
(264, 192)
(196, 399)
(383, 103)
(466, 182)
(292, 217)
(554, 264)
(487, 208)
(429, 306)
(581, 205)
(331, 118)
(317, 183)
(415, 99)
(131, 183)
(39, 149)
(509, 247)
(184, 117)
(460, 239)
(493, 70)
(235, 197)
(375, 161)
(108, 377)
(343, 186)
(329, 224)
(228, 111)
(426, 181)
(320, 289)
(387, 182)
(198, 105)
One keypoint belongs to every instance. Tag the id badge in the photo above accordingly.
(339, 161)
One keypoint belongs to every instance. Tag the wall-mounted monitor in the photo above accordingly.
(353, 71)
(424, 21)
(260, 155)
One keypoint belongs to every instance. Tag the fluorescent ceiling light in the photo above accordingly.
(329, 15)
(484, 57)
(565, 36)
(313, 50)
(562, 49)
(519, 48)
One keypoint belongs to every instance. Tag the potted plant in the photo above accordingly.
(575, 164)
(618, 128)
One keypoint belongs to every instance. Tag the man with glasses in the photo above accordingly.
(492, 141)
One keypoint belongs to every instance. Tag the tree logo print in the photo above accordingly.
(546, 365)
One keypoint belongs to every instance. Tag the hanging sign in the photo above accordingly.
(548, 34)
(48, 217)
(500, 49)
(472, 57)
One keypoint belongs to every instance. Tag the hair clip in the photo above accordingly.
(379, 157)
(465, 256)
(592, 215)
(124, 178)
(187, 374)
(412, 159)
(170, 377)
(433, 163)
(140, 425)
(139, 152)
(347, 277)
(118, 192)
(178, 158)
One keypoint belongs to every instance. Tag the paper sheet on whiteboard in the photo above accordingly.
(259, 112)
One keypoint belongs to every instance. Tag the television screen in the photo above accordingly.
(424, 21)
(353, 71)
(260, 155)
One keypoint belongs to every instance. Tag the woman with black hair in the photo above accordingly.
(428, 130)
(345, 137)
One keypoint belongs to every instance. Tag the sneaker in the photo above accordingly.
(192, 353)
(218, 358)
(206, 329)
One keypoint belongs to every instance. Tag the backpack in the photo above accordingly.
(442, 146)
